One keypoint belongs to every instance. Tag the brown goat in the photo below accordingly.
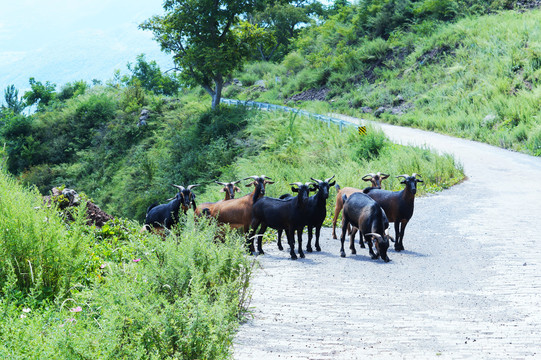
(237, 213)
(375, 180)
(229, 188)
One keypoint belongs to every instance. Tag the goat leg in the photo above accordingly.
(368, 239)
(299, 236)
(291, 242)
(399, 232)
(336, 213)
(318, 230)
(342, 237)
(309, 244)
(280, 247)
(352, 233)
(260, 239)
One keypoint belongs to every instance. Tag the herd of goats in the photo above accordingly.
(368, 211)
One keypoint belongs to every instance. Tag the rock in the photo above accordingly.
(143, 117)
(260, 83)
(379, 111)
(399, 99)
(366, 109)
(489, 120)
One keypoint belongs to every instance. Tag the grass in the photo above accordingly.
(478, 78)
(300, 148)
(77, 292)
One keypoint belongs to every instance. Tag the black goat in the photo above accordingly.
(364, 213)
(398, 205)
(281, 214)
(166, 215)
(316, 211)
(375, 180)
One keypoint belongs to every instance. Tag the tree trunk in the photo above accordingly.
(217, 97)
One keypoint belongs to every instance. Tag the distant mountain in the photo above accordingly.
(80, 41)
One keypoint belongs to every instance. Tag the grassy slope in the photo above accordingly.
(478, 78)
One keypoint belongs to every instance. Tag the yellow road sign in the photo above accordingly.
(362, 130)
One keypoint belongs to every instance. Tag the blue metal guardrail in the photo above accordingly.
(271, 107)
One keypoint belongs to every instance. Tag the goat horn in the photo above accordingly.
(236, 182)
(378, 236)
(368, 177)
(415, 175)
(296, 183)
(178, 187)
(192, 186)
(266, 177)
(255, 177)
(404, 176)
(316, 180)
(329, 179)
(220, 183)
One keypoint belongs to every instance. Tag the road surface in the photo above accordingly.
(468, 284)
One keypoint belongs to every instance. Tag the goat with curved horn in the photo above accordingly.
(365, 215)
(398, 205)
(161, 216)
(374, 179)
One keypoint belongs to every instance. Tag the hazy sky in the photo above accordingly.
(68, 40)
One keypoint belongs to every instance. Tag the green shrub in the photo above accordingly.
(293, 62)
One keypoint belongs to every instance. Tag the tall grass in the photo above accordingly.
(75, 292)
(300, 148)
(478, 78)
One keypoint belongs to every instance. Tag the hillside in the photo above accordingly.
(477, 78)
(95, 143)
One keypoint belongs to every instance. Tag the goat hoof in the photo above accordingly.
(375, 257)
(261, 252)
(318, 248)
(353, 252)
(301, 254)
(309, 249)
(293, 257)
(280, 247)
(399, 247)
(342, 254)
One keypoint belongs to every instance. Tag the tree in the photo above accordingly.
(152, 78)
(11, 95)
(283, 21)
(207, 38)
(40, 94)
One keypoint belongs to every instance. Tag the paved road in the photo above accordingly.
(467, 286)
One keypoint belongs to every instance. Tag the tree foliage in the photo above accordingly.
(206, 39)
(41, 94)
(11, 96)
(151, 77)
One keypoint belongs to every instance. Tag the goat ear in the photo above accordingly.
(332, 184)
(419, 180)
(269, 182)
(294, 189)
(384, 176)
(222, 190)
(313, 188)
(237, 189)
(250, 184)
